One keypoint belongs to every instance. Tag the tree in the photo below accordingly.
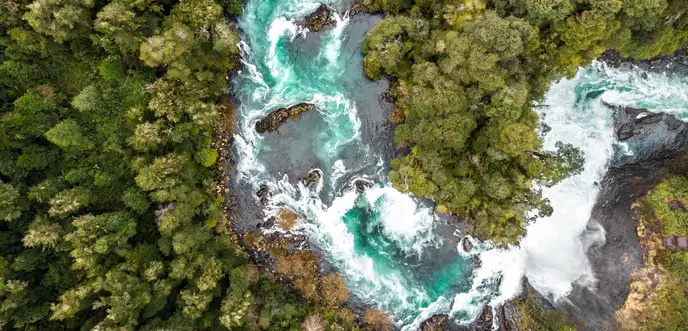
(10, 207)
(67, 135)
(62, 20)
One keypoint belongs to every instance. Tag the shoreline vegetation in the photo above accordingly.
(658, 291)
(116, 120)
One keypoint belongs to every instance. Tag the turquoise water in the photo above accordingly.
(394, 253)
(383, 242)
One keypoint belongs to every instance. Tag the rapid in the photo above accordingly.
(394, 252)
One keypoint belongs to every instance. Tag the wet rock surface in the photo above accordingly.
(362, 185)
(508, 318)
(655, 144)
(466, 244)
(320, 19)
(313, 177)
(677, 63)
(275, 119)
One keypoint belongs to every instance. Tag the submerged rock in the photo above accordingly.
(274, 120)
(361, 185)
(264, 194)
(320, 19)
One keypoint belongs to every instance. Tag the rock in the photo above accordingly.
(511, 317)
(313, 176)
(362, 185)
(676, 205)
(287, 219)
(649, 136)
(264, 194)
(670, 243)
(434, 323)
(321, 18)
(274, 120)
(635, 120)
(397, 116)
(356, 7)
(627, 131)
(466, 244)
(676, 63)
(682, 242)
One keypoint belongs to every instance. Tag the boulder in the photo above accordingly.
(313, 176)
(264, 194)
(466, 244)
(274, 120)
(362, 185)
(320, 19)
(287, 219)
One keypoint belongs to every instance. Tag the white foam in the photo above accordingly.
(403, 219)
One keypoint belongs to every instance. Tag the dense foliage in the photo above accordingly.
(536, 318)
(658, 299)
(108, 213)
(668, 201)
(467, 73)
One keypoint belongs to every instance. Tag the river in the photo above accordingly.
(395, 253)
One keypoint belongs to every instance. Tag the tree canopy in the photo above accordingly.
(108, 213)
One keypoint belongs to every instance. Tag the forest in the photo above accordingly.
(110, 216)
(112, 213)
(468, 77)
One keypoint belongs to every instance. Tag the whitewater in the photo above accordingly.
(387, 244)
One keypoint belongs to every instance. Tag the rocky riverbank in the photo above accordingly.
(677, 63)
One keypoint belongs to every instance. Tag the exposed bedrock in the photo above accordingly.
(677, 63)
(655, 142)
(275, 119)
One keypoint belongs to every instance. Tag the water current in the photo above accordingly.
(393, 251)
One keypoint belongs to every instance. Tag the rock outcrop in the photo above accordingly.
(320, 19)
(274, 120)
(677, 63)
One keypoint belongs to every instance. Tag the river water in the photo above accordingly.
(394, 253)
